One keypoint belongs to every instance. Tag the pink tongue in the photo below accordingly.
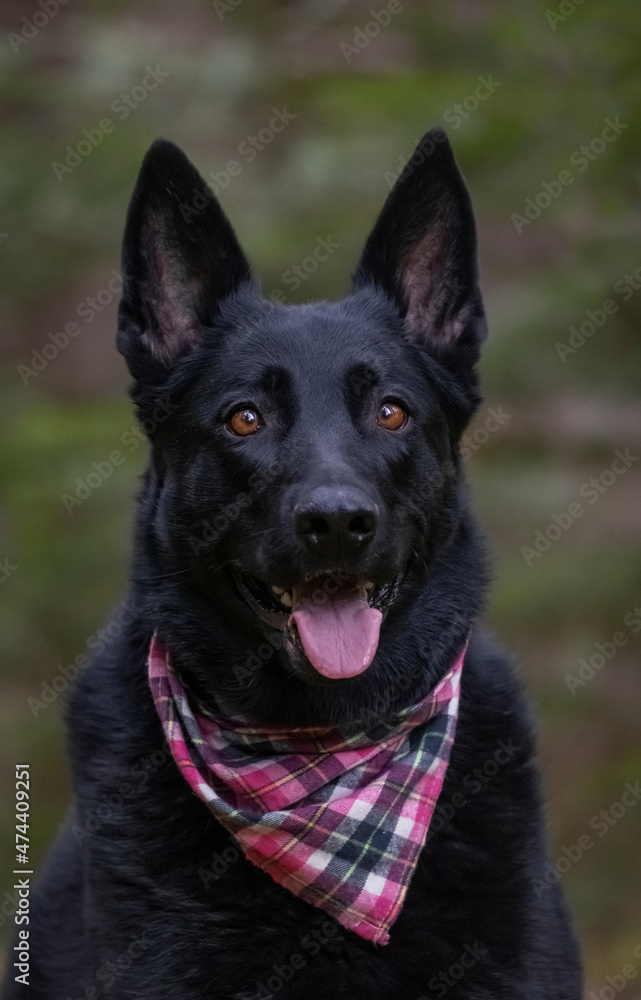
(339, 631)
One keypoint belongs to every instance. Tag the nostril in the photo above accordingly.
(317, 526)
(361, 526)
(312, 526)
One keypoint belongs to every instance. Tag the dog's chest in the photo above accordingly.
(257, 940)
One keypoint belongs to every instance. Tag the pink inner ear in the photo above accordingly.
(171, 298)
(430, 292)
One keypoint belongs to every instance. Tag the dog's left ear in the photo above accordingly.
(180, 259)
(422, 252)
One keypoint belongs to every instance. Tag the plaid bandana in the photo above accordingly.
(336, 816)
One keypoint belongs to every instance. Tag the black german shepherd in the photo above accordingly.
(291, 446)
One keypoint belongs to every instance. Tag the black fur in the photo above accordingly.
(145, 895)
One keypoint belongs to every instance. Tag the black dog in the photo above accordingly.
(294, 447)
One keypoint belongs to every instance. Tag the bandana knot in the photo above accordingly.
(338, 816)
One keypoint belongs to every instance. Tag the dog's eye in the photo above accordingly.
(391, 416)
(244, 422)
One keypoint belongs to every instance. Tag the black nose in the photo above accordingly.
(337, 520)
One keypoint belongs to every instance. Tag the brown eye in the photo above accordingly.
(391, 416)
(244, 422)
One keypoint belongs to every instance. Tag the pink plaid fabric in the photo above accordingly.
(336, 816)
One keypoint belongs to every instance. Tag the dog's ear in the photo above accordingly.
(180, 259)
(422, 252)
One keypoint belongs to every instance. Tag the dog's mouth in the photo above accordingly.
(332, 619)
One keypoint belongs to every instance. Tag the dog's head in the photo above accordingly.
(304, 547)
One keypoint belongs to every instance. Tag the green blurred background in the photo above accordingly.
(361, 95)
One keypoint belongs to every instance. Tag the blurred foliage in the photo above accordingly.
(357, 118)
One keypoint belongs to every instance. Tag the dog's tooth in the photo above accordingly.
(278, 591)
(286, 599)
(369, 585)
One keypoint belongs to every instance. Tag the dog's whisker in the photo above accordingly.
(136, 578)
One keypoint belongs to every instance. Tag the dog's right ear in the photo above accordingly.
(180, 259)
